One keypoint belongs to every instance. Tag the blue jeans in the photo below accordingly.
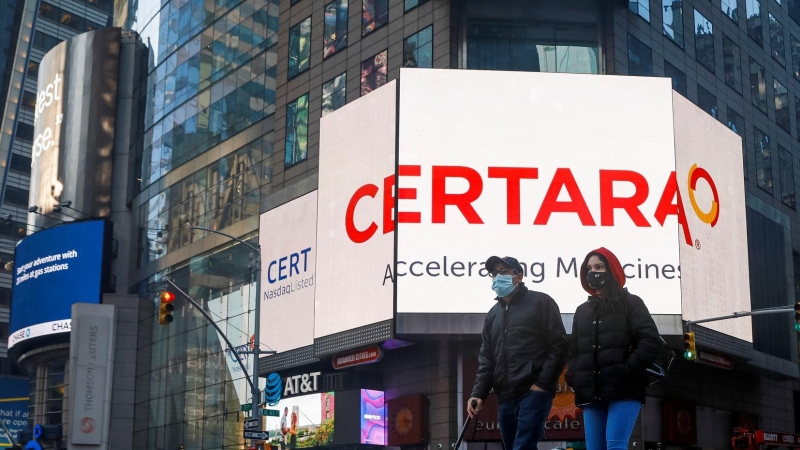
(522, 420)
(609, 425)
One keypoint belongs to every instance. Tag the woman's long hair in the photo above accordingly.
(611, 301)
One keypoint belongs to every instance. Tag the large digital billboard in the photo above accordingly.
(288, 240)
(53, 269)
(305, 421)
(373, 417)
(355, 230)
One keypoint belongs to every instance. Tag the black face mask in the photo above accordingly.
(596, 280)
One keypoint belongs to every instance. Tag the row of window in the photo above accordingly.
(417, 52)
(640, 61)
(67, 19)
(374, 14)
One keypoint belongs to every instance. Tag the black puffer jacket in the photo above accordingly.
(524, 343)
(607, 358)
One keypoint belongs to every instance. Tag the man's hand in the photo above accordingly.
(536, 388)
(473, 411)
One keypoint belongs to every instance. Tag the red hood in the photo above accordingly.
(613, 266)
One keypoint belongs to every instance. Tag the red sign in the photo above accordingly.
(565, 421)
(715, 359)
(358, 357)
(775, 438)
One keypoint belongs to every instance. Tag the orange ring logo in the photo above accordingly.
(696, 173)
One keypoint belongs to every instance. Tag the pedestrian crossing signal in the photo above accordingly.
(691, 351)
(165, 307)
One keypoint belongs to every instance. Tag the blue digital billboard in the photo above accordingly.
(53, 269)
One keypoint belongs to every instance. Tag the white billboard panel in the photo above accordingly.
(542, 167)
(288, 236)
(713, 242)
(355, 237)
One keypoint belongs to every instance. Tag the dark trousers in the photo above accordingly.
(522, 420)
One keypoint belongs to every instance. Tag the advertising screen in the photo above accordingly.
(305, 421)
(288, 241)
(13, 409)
(373, 417)
(53, 269)
(709, 161)
(355, 231)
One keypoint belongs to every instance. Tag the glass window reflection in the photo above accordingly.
(732, 59)
(672, 20)
(374, 14)
(776, 40)
(678, 78)
(296, 149)
(410, 4)
(758, 85)
(794, 46)
(704, 41)
(334, 94)
(299, 47)
(374, 72)
(754, 21)
(640, 8)
(786, 164)
(335, 33)
(763, 160)
(640, 58)
(707, 101)
(781, 105)
(418, 49)
(731, 9)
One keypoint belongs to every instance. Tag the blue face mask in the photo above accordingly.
(502, 285)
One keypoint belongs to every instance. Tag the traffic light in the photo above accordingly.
(691, 350)
(797, 316)
(165, 307)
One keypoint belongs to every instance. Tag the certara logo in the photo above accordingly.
(87, 425)
(670, 202)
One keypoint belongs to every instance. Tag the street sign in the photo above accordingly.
(253, 423)
(247, 407)
(270, 412)
(258, 435)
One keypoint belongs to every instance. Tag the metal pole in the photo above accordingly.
(755, 312)
(207, 316)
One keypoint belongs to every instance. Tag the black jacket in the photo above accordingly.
(610, 352)
(524, 343)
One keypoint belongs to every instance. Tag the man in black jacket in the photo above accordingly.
(523, 351)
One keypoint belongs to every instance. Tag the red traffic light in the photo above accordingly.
(167, 296)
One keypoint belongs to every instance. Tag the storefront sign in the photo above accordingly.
(715, 359)
(358, 357)
(305, 383)
(775, 438)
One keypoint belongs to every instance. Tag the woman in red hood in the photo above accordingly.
(614, 339)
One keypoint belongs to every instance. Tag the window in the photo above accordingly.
(641, 8)
(54, 395)
(678, 78)
(754, 21)
(334, 94)
(707, 101)
(374, 14)
(299, 47)
(418, 49)
(5, 296)
(673, 20)
(794, 46)
(763, 161)
(374, 72)
(16, 196)
(794, 10)
(704, 41)
(506, 45)
(731, 9)
(776, 40)
(4, 332)
(733, 63)
(28, 99)
(20, 163)
(33, 70)
(781, 105)
(410, 4)
(736, 123)
(797, 114)
(335, 37)
(785, 161)
(296, 131)
(24, 132)
(758, 85)
(640, 58)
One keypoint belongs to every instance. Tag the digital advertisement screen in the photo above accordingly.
(373, 417)
(53, 269)
(305, 421)
(13, 409)
(288, 241)
(355, 231)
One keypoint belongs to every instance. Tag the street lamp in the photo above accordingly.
(255, 276)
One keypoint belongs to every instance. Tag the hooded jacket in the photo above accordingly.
(523, 343)
(611, 345)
